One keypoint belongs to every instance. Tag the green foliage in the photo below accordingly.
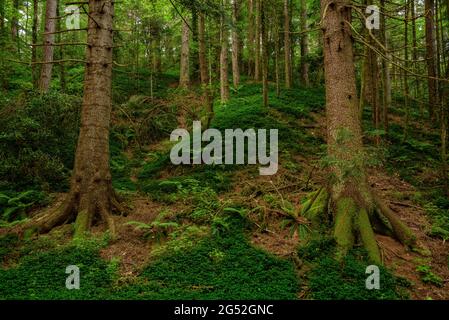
(333, 280)
(14, 205)
(37, 142)
(246, 111)
(42, 275)
(159, 229)
(218, 267)
(427, 276)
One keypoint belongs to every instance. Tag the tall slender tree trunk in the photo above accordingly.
(156, 47)
(62, 80)
(235, 43)
(277, 56)
(49, 40)
(184, 77)
(202, 50)
(287, 45)
(91, 194)
(429, 7)
(15, 21)
(224, 82)
(250, 40)
(34, 68)
(257, 71)
(415, 55)
(195, 72)
(385, 72)
(406, 88)
(304, 45)
(264, 35)
(2, 16)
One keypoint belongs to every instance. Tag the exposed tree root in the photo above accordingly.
(355, 221)
(83, 210)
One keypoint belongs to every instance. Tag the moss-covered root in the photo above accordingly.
(346, 210)
(351, 220)
(367, 237)
(399, 229)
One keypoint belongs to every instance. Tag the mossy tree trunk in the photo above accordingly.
(354, 205)
(91, 194)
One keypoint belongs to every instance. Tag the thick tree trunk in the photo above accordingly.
(287, 46)
(184, 78)
(354, 205)
(429, 7)
(235, 43)
(91, 194)
(224, 82)
(304, 45)
(49, 40)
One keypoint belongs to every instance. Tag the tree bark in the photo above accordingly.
(34, 68)
(250, 40)
(304, 45)
(184, 78)
(287, 46)
(264, 35)
(62, 79)
(235, 43)
(2, 16)
(429, 7)
(49, 40)
(202, 50)
(257, 71)
(385, 72)
(224, 82)
(15, 21)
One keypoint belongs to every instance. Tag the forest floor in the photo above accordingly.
(225, 232)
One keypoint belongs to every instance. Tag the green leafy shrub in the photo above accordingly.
(37, 141)
(13, 205)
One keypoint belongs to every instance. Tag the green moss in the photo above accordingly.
(343, 230)
(42, 275)
(218, 267)
(367, 237)
(344, 279)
